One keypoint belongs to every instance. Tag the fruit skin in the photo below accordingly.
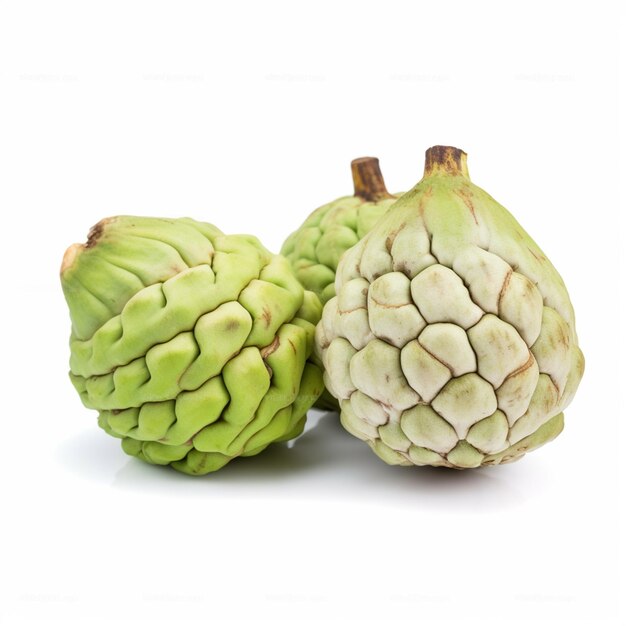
(192, 345)
(315, 248)
(451, 341)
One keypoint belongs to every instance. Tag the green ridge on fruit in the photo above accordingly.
(194, 346)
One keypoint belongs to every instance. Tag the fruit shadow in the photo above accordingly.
(325, 462)
(329, 462)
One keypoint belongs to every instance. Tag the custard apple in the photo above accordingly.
(315, 248)
(451, 340)
(192, 345)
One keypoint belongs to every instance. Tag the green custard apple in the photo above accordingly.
(314, 250)
(194, 346)
(451, 339)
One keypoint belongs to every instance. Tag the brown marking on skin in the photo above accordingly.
(467, 200)
(392, 237)
(404, 268)
(528, 288)
(558, 393)
(383, 305)
(266, 316)
(423, 199)
(94, 235)
(560, 336)
(434, 356)
(293, 347)
(580, 365)
(232, 325)
(532, 252)
(202, 463)
(346, 311)
(387, 379)
(271, 348)
(505, 284)
(96, 232)
(324, 344)
(548, 405)
(520, 370)
(386, 408)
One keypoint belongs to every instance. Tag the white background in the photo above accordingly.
(246, 115)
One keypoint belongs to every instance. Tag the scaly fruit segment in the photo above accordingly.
(451, 340)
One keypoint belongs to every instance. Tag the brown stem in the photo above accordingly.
(368, 179)
(446, 160)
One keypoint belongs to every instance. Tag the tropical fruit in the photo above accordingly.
(192, 345)
(451, 339)
(315, 248)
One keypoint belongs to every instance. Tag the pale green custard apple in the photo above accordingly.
(315, 248)
(451, 340)
(192, 345)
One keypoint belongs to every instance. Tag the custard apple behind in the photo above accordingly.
(192, 345)
(314, 250)
(451, 340)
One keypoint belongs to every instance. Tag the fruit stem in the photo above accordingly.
(446, 160)
(368, 179)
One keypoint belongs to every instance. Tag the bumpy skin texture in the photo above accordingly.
(315, 248)
(193, 345)
(451, 341)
